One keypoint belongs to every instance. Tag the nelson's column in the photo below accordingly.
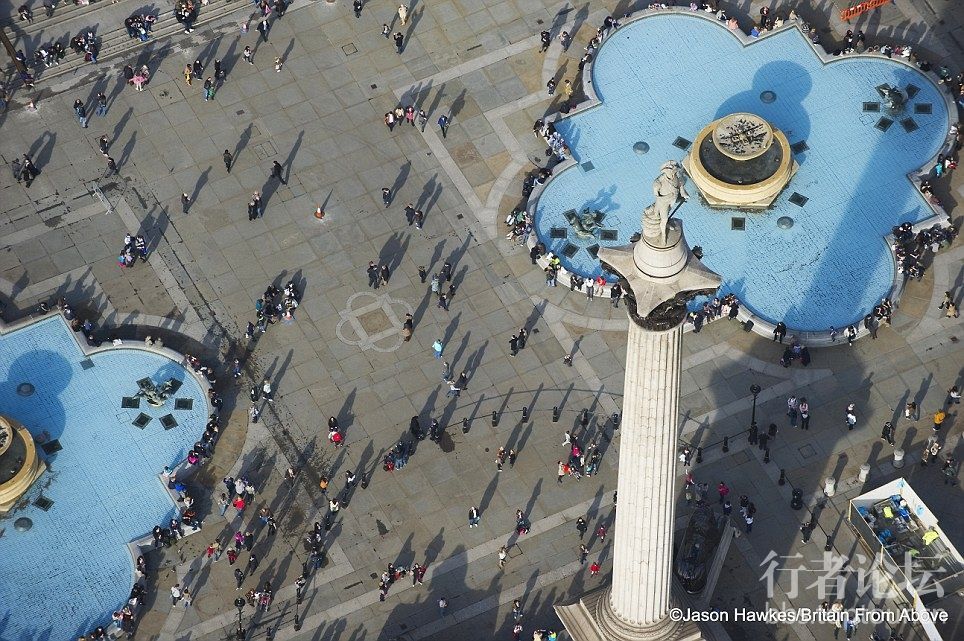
(659, 274)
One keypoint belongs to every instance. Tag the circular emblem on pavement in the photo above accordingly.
(372, 321)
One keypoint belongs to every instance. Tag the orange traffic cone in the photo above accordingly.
(320, 215)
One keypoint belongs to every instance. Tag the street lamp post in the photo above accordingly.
(755, 390)
(239, 604)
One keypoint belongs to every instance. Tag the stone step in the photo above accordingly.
(66, 10)
(116, 42)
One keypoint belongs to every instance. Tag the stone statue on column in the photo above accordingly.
(668, 188)
(658, 274)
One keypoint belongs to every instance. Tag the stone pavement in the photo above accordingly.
(478, 61)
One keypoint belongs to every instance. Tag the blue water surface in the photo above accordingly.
(72, 569)
(667, 76)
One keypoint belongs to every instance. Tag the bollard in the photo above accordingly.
(555, 414)
(465, 425)
(766, 455)
(495, 418)
(297, 622)
(699, 455)
(584, 420)
(829, 545)
(726, 443)
(783, 477)
(797, 501)
(829, 486)
(898, 458)
(364, 481)
(615, 418)
(525, 414)
(772, 430)
(754, 433)
(763, 441)
(864, 472)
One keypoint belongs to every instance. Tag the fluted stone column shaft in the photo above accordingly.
(643, 541)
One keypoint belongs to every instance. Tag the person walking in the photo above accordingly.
(546, 39)
(804, 409)
(408, 327)
(601, 533)
(248, 56)
(176, 593)
(263, 28)
(187, 598)
(386, 31)
(384, 274)
(939, 417)
(357, 7)
(386, 196)
(443, 606)
(887, 433)
(228, 160)
(581, 527)
(474, 517)
(583, 553)
(594, 568)
(267, 390)
(443, 124)
(513, 345)
(723, 491)
(238, 577)
(910, 411)
(953, 396)
(503, 555)
(111, 167)
(437, 347)
(277, 171)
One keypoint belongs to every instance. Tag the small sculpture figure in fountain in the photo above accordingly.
(155, 396)
(893, 97)
(585, 225)
(668, 188)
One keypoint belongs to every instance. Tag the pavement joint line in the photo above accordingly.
(33, 231)
(482, 551)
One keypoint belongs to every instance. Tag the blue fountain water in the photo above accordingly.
(668, 75)
(72, 569)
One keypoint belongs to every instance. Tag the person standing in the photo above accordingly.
(551, 86)
(238, 577)
(402, 14)
(474, 517)
(208, 89)
(81, 112)
(804, 408)
(175, 593)
(267, 390)
(545, 38)
(386, 31)
(503, 555)
(263, 27)
(228, 160)
(357, 7)
(408, 327)
(523, 337)
(386, 196)
(939, 417)
(101, 104)
(103, 145)
(792, 409)
(399, 42)
(910, 411)
(851, 417)
(615, 292)
(384, 274)
(513, 345)
(437, 347)
(185, 202)
(723, 491)
(111, 167)
(594, 568)
(517, 610)
(953, 396)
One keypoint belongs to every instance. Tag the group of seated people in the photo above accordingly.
(911, 249)
(728, 306)
(520, 226)
(397, 458)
